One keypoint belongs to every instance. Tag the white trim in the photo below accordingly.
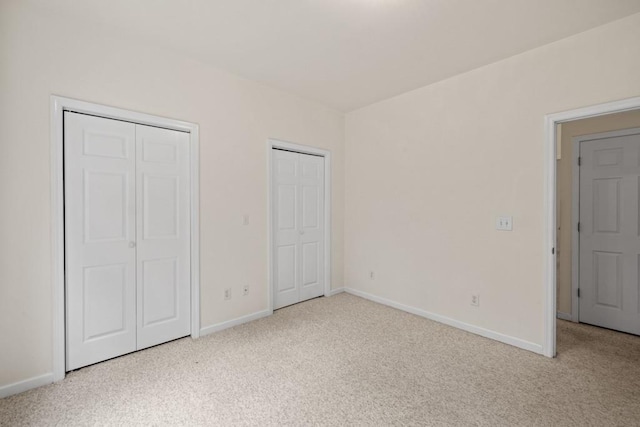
(487, 333)
(549, 240)
(275, 143)
(19, 387)
(58, 106)
(234, 322)
(564, 316)
(336, 291)
(57, 238)
(194, 167)
(549, 206)
(575, 236)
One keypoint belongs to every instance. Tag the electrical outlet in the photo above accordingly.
(372, 275)
(475, 300)
(245, 290)
(227, 294)
(504, 223)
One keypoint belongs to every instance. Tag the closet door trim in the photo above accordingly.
(58, 105)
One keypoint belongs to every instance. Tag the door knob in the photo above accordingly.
(132, 244)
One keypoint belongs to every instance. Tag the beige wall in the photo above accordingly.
(43, 54)
(427, 173)
(626, 120)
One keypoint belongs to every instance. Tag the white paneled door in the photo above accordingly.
(609, 231)
(127, 237)
(163, 235)
(100, 227)
(298, 227)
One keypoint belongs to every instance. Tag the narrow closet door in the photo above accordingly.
(100, 223)
(163, 253)
(298, 227)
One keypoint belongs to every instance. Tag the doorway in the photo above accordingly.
(139, 136)
(299, 223)
(561, 291)
(598, 187)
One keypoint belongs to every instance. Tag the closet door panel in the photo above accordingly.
(286, 220)
(163, 230)
(311, 187)
(100, 226)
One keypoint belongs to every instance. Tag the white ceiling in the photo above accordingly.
(348, 53)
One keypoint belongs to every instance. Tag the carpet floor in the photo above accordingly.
(348, 361)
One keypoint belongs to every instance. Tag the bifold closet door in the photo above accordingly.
(100, 234)
(298, 227)
(163, 235)
(127, 237)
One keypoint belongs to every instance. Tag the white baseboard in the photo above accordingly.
(20, 386)
(337, 291)
(234, 322)
(487, 333)
(564, 316)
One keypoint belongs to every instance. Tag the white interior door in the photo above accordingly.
(100, 229)
(127, 237)
(163, 235)
(298, 227)
(609, 230)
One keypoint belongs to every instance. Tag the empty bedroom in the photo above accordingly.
(339, 212)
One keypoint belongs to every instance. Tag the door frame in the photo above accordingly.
(58, 105)
(549, 206)
(575, 236)
(303, 149)
(575, 211)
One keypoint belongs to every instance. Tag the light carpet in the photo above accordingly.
(348, 361)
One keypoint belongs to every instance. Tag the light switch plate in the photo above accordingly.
(504, 223)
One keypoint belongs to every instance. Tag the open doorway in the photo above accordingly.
(596, 137)
(597, 226)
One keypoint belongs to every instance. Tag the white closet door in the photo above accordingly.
(100, 233)
(163, 235)
(298, 227)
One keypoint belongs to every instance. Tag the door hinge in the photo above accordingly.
(553, 251)
(580, 161)
(578, 292)
(578, 226)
